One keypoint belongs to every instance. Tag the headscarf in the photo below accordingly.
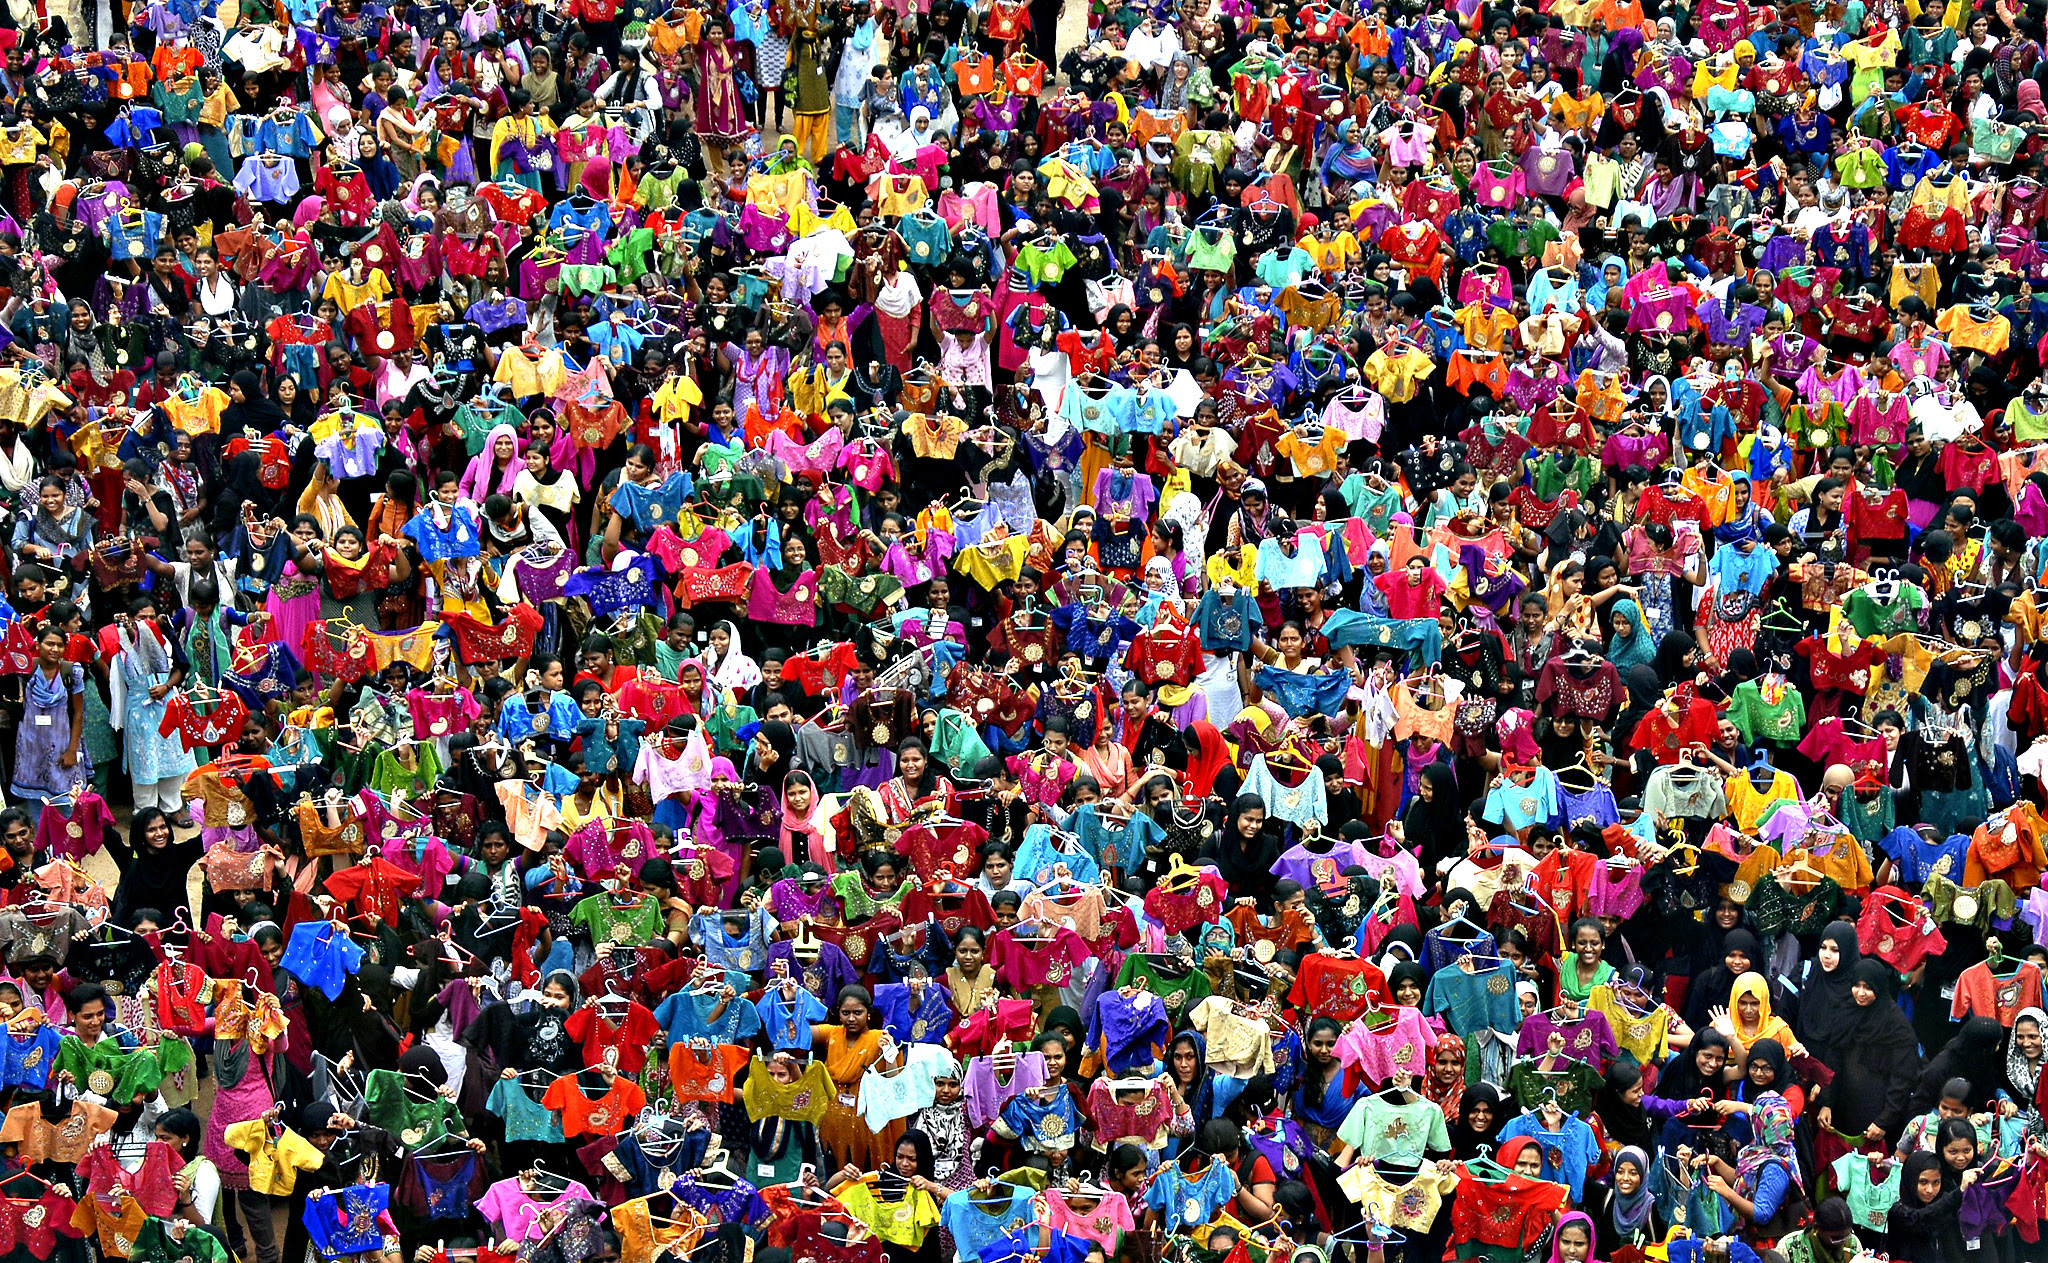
(1408, 939)
(781, 738)
(478, 480)
(257, 410)
(810, 827)
(2022, 1077)
(1917, 1163)
(735, 670)
(1064, 1020)
(1671, 653)
(1446, 1095)
(1201, 1094)
(1585, 1222)
(1511, 1149)
(1681, 1080)
(1409, 970)
(1645, 690)
(1630, 1210)
(1246, 863)
(1972, 1054)
(1638, 648)
(1772, 1121)
(1436, 827)
(1824, 1003)
(1465, 1138)
(1773, 1052)
(1879, 1027)
(1211, 757)
(1768, 1026)
(1629, 1124)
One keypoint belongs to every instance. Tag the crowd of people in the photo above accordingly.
(1202, 631)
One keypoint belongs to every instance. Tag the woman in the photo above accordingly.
(1767, 1069)
(246, 1064)
(1482, 1111)
(724, 665)
(495, 470)
(1972, 1055)
(321, 501)
(1586, 968)
(1748, 1018)
(1694, 1081)
(1631, 643)
(1618, 1105)
(1191, 1081)
(1246, 849)
(917, 791)
(1824, 1003)
(1445, 1082)
(196, 1180)
(143, 671)
(721, 113)
(1434, 822)
(1880, 1062)
(1321, 1099)
(848, 1048)
(1573, 1238)
(2024, 1058)
(970, 979)
(154, 866)
(769, 756)
(1925, 1224)
(806, 829)
(1108, 761)
(1622, 1210)
(1208, 757)
(909, 1237)
(1763, 1185)
(536, 1039)
(48, 759)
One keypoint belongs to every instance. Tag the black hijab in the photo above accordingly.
(1781, 1072)
(1408, 971)
(1436, 827)
(1824, 1002)
(1343, 807)
(1878, 1027)
(1465, 1138)
(1972, 1054)
(256, 409)
(1682, 1080)
(1671, 652)
(1247, 864)
(1645, 689)
(1626, 1124)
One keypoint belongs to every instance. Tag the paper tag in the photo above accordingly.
(765, 1170)
(42, 721)
(1949, 992)
(846, 1099)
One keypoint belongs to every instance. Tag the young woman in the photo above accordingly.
(1925, 1224)
(848, 1048)
(48, 757)
(1321, 1100)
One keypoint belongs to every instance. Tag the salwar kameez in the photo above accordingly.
(44, 736)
